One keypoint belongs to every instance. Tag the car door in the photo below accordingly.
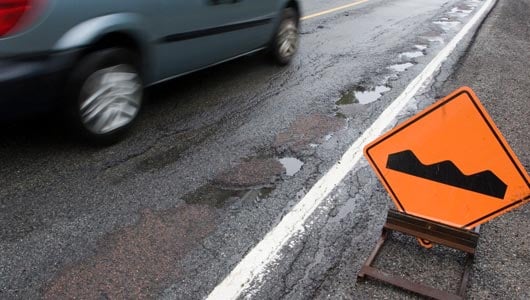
(197, 33)
(249, 26)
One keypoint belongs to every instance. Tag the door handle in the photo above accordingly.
(220, 2)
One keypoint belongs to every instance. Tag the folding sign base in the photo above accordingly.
(425, 230)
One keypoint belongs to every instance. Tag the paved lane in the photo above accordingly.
(173, 208)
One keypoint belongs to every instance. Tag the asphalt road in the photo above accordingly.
(220, 156)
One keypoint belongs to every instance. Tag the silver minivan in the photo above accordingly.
(92, 58)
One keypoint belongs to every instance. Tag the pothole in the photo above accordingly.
(292, 165)
(347, 98)
(411, 54)
(218, 197)
(254, 172)
(461, 11)
(401, 67)
(305, 131)
(341, 115)
(437, 39)
(363, 96)
(447, 25)
(371, 95)
(215, 196)
(251, 180)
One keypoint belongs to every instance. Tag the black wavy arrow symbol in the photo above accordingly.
(446, 172)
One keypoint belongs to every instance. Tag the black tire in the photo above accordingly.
(114, 61)
(289, 23)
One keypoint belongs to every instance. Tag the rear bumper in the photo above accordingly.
(30, 85)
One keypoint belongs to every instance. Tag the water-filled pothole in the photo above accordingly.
(347, 98)
(401, 67)
(292, 165)
(437, 39)
(371, 95)
(363, 96)
(412, 54)
(461, 11)
(447, 25)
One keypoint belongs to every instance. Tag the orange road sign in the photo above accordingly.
(450, 164)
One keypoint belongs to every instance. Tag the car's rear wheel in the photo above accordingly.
(105, 94)
(285, 42)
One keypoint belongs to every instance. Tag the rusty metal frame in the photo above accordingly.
(438, 233)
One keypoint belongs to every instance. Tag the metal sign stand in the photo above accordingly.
(424, 230)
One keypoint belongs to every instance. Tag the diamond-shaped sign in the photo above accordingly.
(450, 164)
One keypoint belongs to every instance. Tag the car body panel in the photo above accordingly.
(224, 29)
(175, 37)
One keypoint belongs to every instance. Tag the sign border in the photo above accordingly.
(487, 119)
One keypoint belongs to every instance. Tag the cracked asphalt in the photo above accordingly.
(169, 212)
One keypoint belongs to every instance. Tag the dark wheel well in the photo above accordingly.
(119, 40)
(294, 5)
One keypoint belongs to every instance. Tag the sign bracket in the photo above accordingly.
(424, 229)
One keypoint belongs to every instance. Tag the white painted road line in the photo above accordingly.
(266, 252)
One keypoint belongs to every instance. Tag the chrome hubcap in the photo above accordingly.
(111, 99)
(288, 39)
